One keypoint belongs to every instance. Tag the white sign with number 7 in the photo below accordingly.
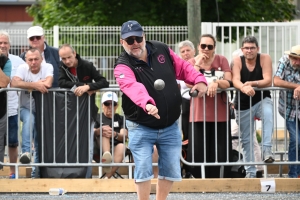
(268, 185)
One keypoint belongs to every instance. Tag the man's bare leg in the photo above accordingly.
(155, 160)
(118, 157)
(143, 190)
(163, 188)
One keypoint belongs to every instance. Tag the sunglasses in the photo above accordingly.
(35, 37)
(109, 103)
(249, 48)
(130, 40)
(209, 46)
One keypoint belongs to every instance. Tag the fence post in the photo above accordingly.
(56, 36)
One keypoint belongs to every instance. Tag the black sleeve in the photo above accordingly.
(23, 55)
(100, 81)
(63, 80)
(97, 124)
(3, 60)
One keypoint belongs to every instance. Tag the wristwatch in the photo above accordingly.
(117, 135)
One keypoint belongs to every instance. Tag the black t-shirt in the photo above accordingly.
(118, 123)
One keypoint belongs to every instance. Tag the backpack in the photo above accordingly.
(237, 171)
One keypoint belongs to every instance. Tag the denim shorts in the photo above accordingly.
(13, 131)
(168, 144)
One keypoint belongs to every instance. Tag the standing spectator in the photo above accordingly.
(36, 39)
(34, 75)
(288, 76)
(215, 102)
(253, 70)
(112, 126)
(235, 131)
(82, 76)
(187, 52)
(5, 70)
(12, 103)
(151, 114)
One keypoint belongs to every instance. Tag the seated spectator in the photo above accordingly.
(34, 75)
(112, 127)
(5, 70)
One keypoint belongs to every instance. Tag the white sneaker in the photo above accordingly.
(25, 158)
(268, 156)
(106, 158)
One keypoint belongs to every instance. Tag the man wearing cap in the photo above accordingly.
(81, 77)
(288, 76)
(112, 127)
(36, 39)
(152, 115)
(250, 71)
(12, 103)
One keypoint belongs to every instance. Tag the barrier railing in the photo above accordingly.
(55, 124)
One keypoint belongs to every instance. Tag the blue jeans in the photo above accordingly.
(264, 111)
(168, 144)
(28, 120)
(294, 170)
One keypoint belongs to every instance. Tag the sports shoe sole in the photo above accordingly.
(270, 159)
(24, 159)
(106, 158)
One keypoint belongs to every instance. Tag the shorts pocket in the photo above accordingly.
(131, 125)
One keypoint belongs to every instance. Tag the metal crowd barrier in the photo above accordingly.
(276, 148)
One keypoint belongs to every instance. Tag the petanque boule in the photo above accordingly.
(159, 84)
(194, 93)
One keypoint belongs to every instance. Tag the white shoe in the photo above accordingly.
(106, 158)
(25, 158)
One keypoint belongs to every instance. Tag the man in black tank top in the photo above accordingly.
(250, 71)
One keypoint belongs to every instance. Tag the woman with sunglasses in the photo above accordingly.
(210, 113)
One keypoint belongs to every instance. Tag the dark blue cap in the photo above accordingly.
(131, 28)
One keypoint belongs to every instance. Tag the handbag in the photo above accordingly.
(212, 75)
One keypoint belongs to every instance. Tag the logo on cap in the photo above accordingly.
(129, 26)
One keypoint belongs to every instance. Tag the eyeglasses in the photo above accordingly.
(35, 37)
(109, 104)
(209, 46)
(130, 40)
(249, 48)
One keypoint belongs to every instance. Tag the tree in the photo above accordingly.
(161, 12)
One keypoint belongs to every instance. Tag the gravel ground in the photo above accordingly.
(172, 196)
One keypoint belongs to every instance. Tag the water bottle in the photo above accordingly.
(57, 191)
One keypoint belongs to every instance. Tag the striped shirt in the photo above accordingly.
(287, 104)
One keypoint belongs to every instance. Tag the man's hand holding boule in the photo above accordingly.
(201, 87)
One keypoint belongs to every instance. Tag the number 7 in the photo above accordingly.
(268, 186)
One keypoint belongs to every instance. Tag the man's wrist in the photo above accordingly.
(116, 135)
